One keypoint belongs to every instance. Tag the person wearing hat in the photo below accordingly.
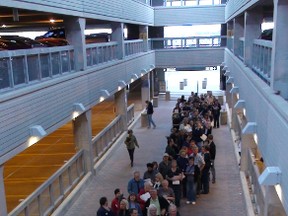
(164, 165)
(131, 143)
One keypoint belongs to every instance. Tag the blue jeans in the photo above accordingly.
(150, 121)
(191, 190)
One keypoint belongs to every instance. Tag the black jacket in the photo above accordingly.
(150, 108)
(212, 150)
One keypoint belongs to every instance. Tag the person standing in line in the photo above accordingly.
(104, 209)
(212, 151)
(216, 110)
(150, 111)
(131, 143)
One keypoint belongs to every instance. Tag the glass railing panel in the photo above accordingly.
(55, 60)
(181, 3)
(65, 61)
(18, 73)
(261, 61)
(33, 67)
(133, 47)
(187, 42)
(44, 62)
(72, 62)
(4, 73)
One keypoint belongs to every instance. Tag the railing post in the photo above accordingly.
(252, 31)
(3, 209)
(118, 36)
(74, 27)
(121, 106)
(83, 137)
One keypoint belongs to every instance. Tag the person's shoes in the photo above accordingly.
(213, 181)
(214, 127)
(187, 202)
(154, 127)
(148, 127)
(131, 164)
(193, 203)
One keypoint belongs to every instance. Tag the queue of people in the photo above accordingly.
(183, 173)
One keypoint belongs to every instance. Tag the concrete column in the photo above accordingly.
(143, 34)
(223, 33)
(152, 81)
(246, 143)
(279, 64)
(238, 32)
(3, 207)
(83, 137)
(145, 89)
(118, 36)
(74, 30)
(253, 19)
(230, 35)
(121, 106)
(234, 119)
(273, 205)
(228, 94)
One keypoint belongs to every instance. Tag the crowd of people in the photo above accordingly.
(185, 169)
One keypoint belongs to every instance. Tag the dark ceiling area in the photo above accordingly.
(12, 20)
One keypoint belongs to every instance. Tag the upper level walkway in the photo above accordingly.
(225, 197)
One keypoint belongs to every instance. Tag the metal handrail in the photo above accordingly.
(35, 196)
(130, 113)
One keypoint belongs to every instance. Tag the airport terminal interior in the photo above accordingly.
(75, 76)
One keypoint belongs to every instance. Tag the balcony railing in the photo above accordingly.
(133, 47)
(51, 193)
(23, 67)
(261, 60)
(187, 42)
(130, 114)
(106, 137)
(230, 45)
(177, 3)
(241, 48)
(98, 53)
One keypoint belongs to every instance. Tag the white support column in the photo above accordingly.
(118, 36)
(234, 121)
(247, 142)
(253, 19)
(279, 64)
(83, 137)
(121, 106)
(145, 89)
(152, 83)
(143, 34)
(74, 30)
(3, 207)
(273, 205)
(229, 86)
(238, 32)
